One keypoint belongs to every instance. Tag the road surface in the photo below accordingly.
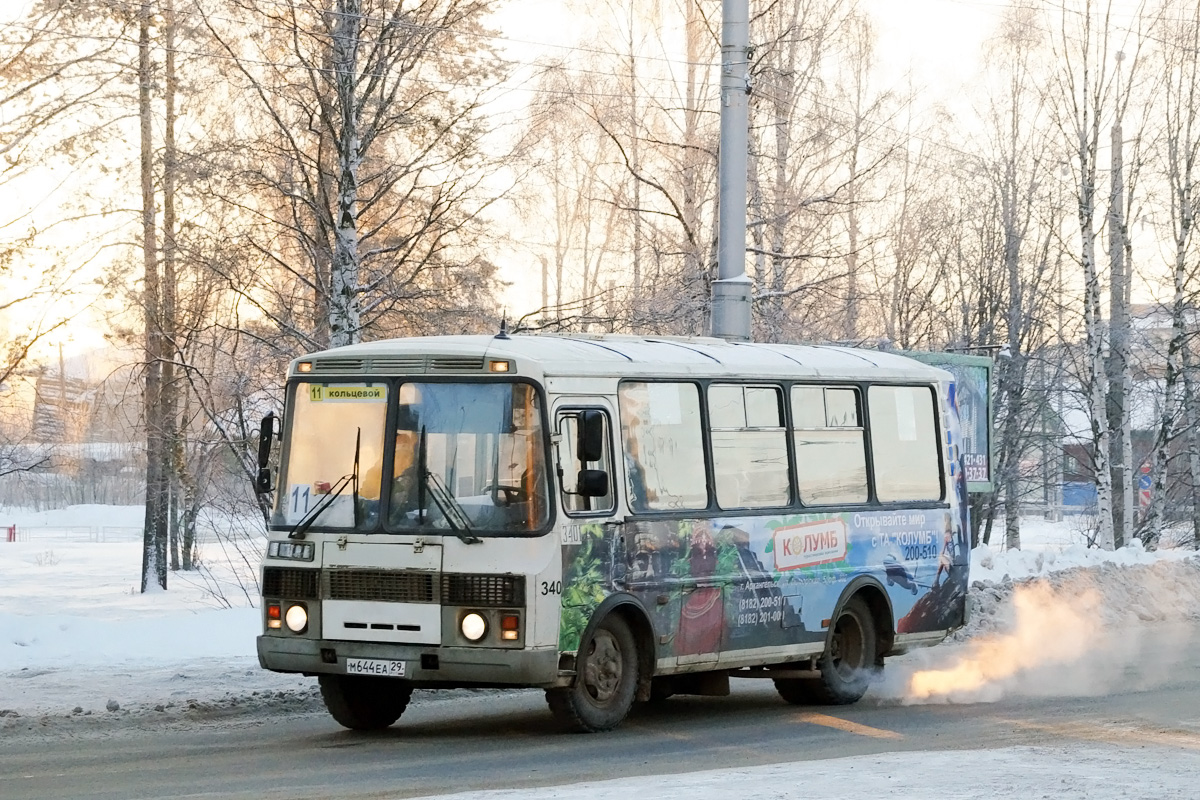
(462, 741)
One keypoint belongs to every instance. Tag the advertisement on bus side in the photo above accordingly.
(715, 585)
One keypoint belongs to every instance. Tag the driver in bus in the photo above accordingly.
(404, 495)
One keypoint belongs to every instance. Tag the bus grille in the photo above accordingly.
(389, 365)
(397, 364)
(395, 586)
(483, 590)
(336, 366)
(455, 363)
(293, 584)
(386, 586)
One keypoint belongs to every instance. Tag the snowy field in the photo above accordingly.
(81, 649)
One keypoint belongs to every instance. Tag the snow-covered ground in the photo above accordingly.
(80, 646)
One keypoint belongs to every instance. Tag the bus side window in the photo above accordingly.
(571, 465)
(749, 446)
(904, 443)
(664, 447)
(831, 463)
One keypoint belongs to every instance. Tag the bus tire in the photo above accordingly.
(364, 703)
(846, 666)
(606, 680)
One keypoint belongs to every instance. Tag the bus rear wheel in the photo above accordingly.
(606, 680)
(364, 703)
(846, 666)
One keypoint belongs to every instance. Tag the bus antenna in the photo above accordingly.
(503, 334)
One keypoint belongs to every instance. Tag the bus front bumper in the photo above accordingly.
(423, 664)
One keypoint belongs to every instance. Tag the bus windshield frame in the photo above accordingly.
(417, 455)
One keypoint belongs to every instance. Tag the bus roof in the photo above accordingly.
(595, 355)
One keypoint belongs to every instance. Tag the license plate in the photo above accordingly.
(375, 666)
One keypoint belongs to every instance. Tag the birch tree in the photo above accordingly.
(569, 183)
(362, 160)
(656, 115)
(1020, 174)
(1084, 96)
(805, 161)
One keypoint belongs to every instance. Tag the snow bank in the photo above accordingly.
(1132, 592)
(992, 564)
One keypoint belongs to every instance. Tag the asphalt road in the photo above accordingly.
(508, 740)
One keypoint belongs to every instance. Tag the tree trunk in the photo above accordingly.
(154, 537)
(172, 445)
(345, 326)
(694, 267)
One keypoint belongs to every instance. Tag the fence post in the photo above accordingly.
(12, 533)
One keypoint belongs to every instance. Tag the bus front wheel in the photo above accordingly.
(605, 683)
(364, 703)
(846, 666)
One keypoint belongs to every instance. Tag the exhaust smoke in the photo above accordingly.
(1076, 633)
(1048, 629)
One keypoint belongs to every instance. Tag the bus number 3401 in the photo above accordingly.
(551, 587)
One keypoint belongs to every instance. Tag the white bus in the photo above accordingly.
(609, 518)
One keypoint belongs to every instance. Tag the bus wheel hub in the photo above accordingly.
(602, 674)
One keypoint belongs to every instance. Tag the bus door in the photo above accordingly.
(587, 496)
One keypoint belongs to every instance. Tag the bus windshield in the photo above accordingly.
(329, 427)
(467, 457)
(463, 458)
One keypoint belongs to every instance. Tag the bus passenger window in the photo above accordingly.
(664, 450)
(573, 502)
(904, 443)
(750, 463)
(831, 461)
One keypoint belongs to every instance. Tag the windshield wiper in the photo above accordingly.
(455, 516)
(451, 509)
(308, 519)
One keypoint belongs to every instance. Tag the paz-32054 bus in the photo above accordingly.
(609, 518)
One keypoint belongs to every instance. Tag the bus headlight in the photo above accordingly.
(296, 618)
(473, 626)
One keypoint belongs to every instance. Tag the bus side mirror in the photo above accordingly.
(590, 444)
(266, 432)
(592, 483)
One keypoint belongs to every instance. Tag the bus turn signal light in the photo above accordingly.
(274, 617)
(510, 627)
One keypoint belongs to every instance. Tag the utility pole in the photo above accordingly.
(1120, 445)
(731, 290)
